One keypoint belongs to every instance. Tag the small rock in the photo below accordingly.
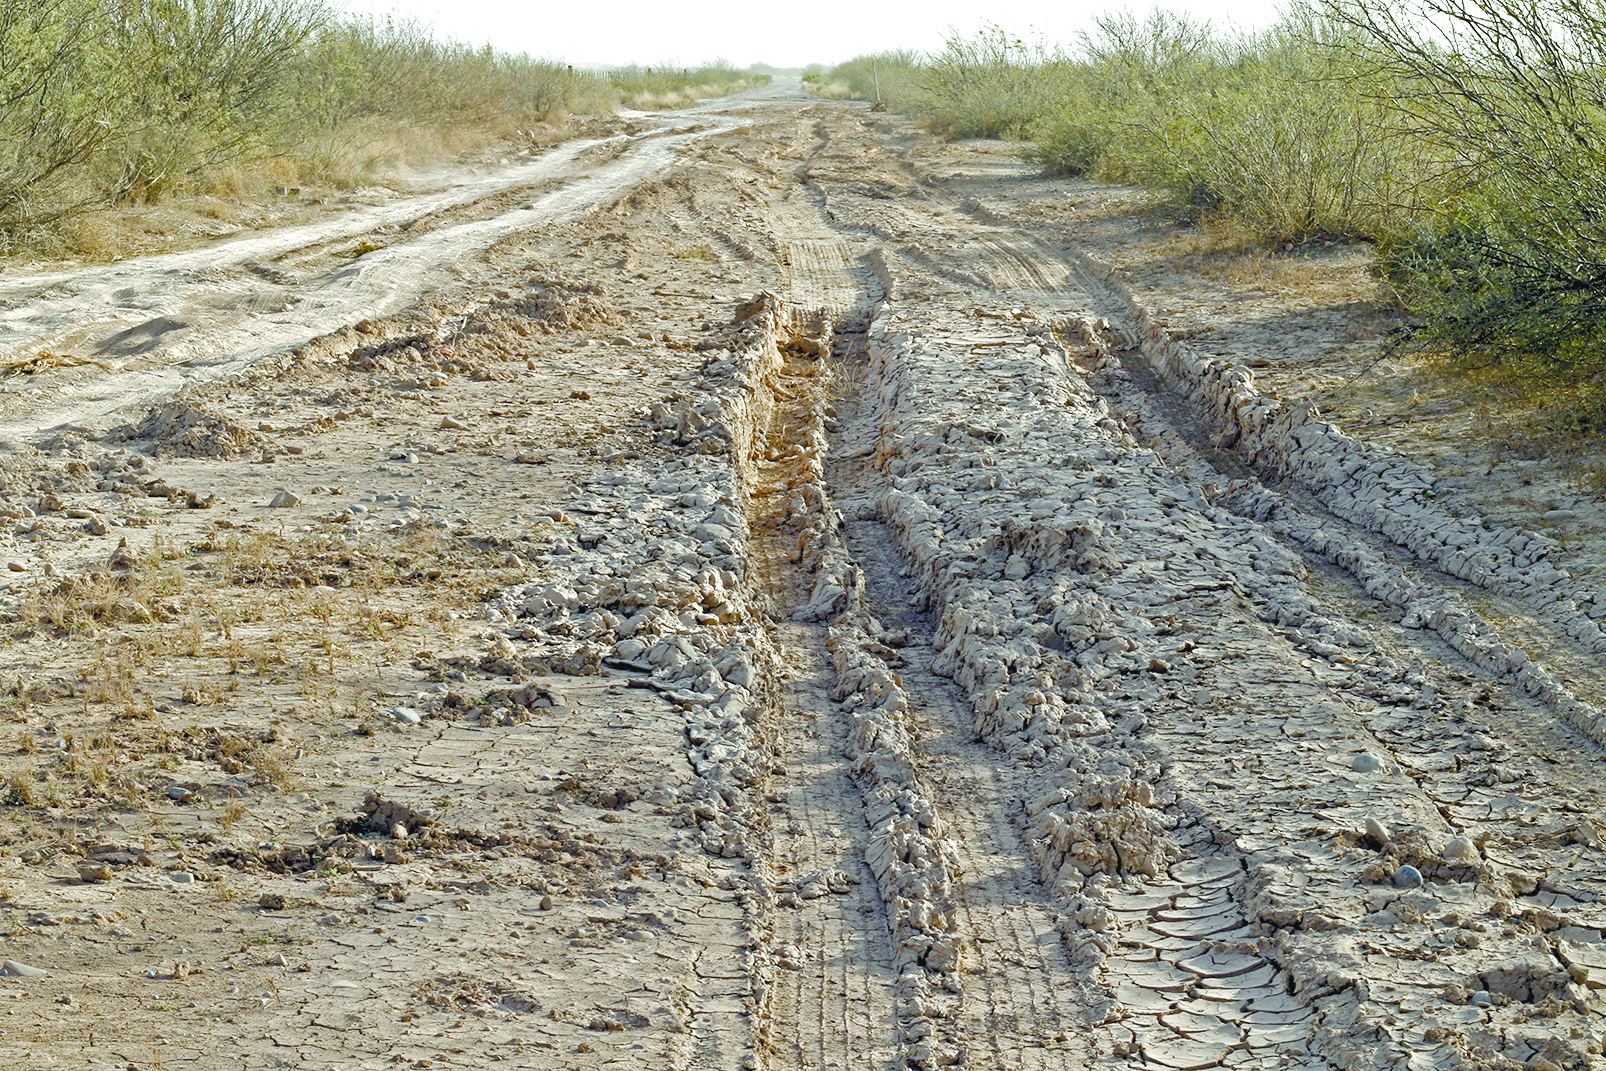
(1377, 830)
(1408, 877)
(398, 831)
(271, 901)
(1366, 762)
(182, 877)
(451, 422)
(128, 610)
(94, 873)
(178, 792)
(1461, 850)
(1482, 998)
(408, 715)
(546, 903)
(97, 526)
(12, 969)
(16, 566)
(284, 500)
(122, 558)
(278, 960)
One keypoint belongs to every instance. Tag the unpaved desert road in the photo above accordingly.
(888, 647)
(155, 324)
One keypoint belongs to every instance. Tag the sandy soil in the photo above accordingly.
(775, 591)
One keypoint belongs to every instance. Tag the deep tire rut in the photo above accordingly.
(1025, 1007)
(832, 1003)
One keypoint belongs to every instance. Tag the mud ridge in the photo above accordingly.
(1361, 481)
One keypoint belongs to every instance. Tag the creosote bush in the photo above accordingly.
(132, 101)
(1513, 267)
(671, 87)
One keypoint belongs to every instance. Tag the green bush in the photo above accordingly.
(890, 79)
(668, 86)
(58, 82)
(1513, 264)
(987, 86)
(130, 100)
(1272, 128)
(212, 77)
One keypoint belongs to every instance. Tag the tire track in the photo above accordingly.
(1009, 956)
(832, 997)
(1443, 733)
(165, 290)
(1026, 1006)
(1408, 720)
(840, 995)
(1199, 982)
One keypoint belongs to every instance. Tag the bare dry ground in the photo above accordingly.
(769, 590)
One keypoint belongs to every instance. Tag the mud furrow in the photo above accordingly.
(832, 1004)
(1375, 488)
(1432, 738)
(1019, 1006)
(1111, 824)
(1024, 1008)
(908, 865)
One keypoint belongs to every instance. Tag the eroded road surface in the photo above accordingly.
(768, 591)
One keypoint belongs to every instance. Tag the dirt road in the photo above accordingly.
(772, 591)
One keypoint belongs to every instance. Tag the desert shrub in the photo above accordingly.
(1113, 106)
(1273, 129)
(669, 86)
(890, 79)
(986, 86)
(57, 83)
(1513, 265)
(360, 68)
(211, 77)
(131, 100)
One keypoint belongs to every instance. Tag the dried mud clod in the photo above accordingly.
(552, 303)
(186, 429)
(385, 816)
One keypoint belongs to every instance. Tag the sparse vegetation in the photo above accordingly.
(129, 102)
(1272, 128)
(890, 79)
(675, 87)
(1463, 140)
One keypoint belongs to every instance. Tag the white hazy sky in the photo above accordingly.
(791, 33)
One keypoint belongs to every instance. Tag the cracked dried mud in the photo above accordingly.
(771, 590)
